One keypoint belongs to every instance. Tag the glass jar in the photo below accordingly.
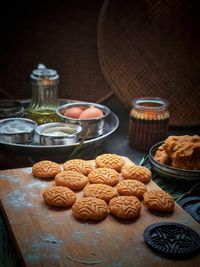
(149, 120)
(44, 100)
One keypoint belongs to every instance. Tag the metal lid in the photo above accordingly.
(44, 73)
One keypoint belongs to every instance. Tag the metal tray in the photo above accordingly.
(60, 153)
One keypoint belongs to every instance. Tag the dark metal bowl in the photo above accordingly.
(10, 108)
(168, 171)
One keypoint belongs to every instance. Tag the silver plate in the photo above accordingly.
(61, 152)
(168, 171)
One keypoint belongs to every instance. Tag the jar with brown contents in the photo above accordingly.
(149, 119)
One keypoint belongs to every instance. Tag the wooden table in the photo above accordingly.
(45, 236)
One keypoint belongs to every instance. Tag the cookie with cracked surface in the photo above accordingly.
(45, 169)
(136, 172)
(90, 208)
(78, 165)
(71, 179)
(59, 196)
(158, 200)
(102, 191)
(112, 161)
(104, 176)
(125, 207)
(131, 187)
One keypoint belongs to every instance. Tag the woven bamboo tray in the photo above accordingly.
(151, 48)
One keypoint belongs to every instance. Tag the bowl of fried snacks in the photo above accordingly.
(177, 157)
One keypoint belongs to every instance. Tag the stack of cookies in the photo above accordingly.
(108, 185)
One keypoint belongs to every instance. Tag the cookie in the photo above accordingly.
(131, 188)
(45, 169)
(125, 207)
(71, 179)
(136, 172)
(112, 161)
(59, 196)
(102, 191)
(104, 176)
(78, 165)
(158, 200)
(90, 208)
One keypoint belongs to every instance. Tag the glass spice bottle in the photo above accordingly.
(149, 120)
(44, 100)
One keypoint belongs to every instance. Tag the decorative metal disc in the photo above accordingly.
(172, 240)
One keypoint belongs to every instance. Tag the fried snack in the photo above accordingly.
(104, 176)
(158, 200)
(78, 165)
(162, 156)
(59, 196)
(45, 169)
(183, 152)
(112, 161)
(102, 191)
(71, 179)
(131, 187)
(125, 207)
(90, 208)
(136, 172)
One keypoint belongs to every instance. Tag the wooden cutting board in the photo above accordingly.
(46, 236)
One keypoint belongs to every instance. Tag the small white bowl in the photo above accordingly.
(57, 133)
(91, 128)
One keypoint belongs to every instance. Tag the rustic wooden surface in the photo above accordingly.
(45, 236)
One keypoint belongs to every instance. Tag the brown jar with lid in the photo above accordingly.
(149, 120)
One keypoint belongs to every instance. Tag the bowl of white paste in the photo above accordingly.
(58, 133)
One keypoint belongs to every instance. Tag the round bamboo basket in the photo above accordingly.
(151, 48)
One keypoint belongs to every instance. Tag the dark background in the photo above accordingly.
(60, 34)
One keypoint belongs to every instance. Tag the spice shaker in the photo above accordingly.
(148, 125)
(44, 100)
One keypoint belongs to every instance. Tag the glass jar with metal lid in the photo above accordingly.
(148, 125)
(44, 95)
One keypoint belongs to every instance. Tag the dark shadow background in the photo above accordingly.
(60, 34)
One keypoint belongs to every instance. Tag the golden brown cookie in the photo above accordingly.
(104, 176)
(71, 179)
(136, 172)
(45, 169)
(78, 165)
(125, 207)
(59, 196)
(102, 191)
(90, 208)
(112, 161)
(159, 201)
(131, 188)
